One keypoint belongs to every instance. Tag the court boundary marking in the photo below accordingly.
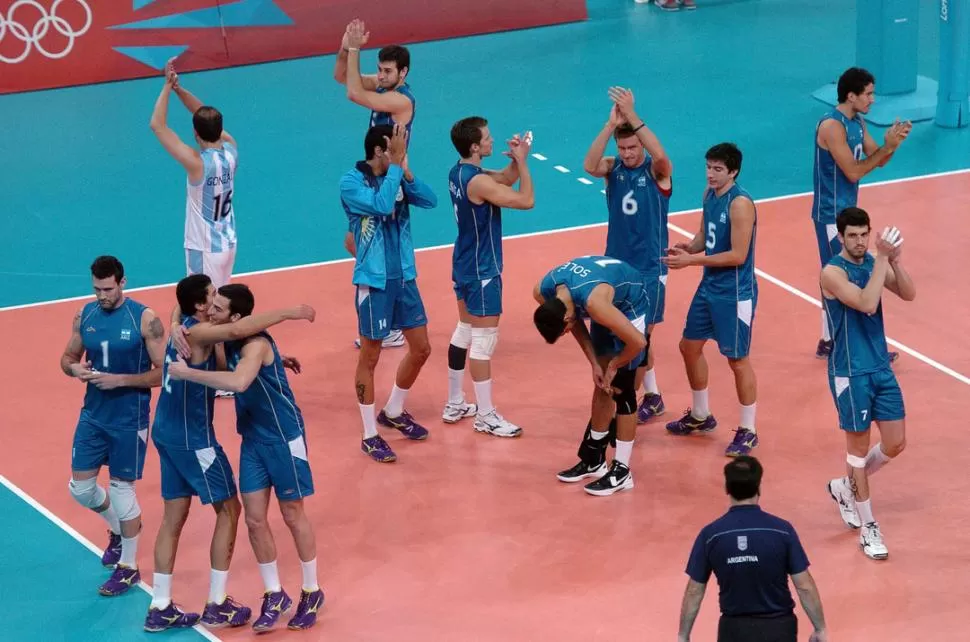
(81, 539)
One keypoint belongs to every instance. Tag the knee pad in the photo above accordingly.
(484, 341)
(626, 398)
(646, 348)
(856, 462)
(123, 500)
(592, 452)
(87, 492)
(462, 337)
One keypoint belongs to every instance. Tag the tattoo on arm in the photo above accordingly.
(155, 328)
(360, 392)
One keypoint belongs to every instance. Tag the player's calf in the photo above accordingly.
(592, 457)
(619, 476)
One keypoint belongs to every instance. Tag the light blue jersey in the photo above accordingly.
(183, 414)
(384, 118)
(737, 282)
(638, 208)
(833, 190)
(210, 217)
(113, 344)
(582, 275)
(858, 339)
(477, 255)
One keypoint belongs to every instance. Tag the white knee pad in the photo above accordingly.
(484, 341)
(462, 337)
(123, 500)
(87, 492)
(856, 462)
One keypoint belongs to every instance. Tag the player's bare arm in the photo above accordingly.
(835, 284)
(510, 174)
(191, 103)
(600, 307)
(392, 102)
(689, 608)
(369, 81)
(71, 363)
(811, 602)
(596, 164)
(255, 354)
(208, 334)
(831, 136)
(661, 166)
(189, 158)
(485, 189)
(898, 280)
(742, 229)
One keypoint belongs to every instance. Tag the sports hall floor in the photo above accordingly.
(468, 537)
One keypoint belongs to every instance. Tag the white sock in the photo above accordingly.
(650, 382)
(217, 585)
(876, 459)
(483, 394)
(395, 403)
(129, 551)
(455, 378)
(699, 407)
(825, 327)
(865, 511)
(370, 420)
(310, 575)
(161, 590)
(747, 417)
(597, 435)
(623, 451)
(271, 577)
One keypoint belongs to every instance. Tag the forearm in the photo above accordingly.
(355, 84)
(904, 283)
(597, 149)
(150, 379)
(67, 361)
(813, 607)
(648, 139)
(582, 337)
(218, 379)
(873, 290)
(689, 609)
(340, 67)
(160, 113)
(721, 259)
(188, 99)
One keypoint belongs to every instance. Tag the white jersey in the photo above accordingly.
(210, 218)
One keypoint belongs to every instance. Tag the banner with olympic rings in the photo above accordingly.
(46, 44)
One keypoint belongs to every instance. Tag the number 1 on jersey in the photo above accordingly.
(104, 355)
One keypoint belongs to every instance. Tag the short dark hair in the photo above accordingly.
(854, 216)
(624, 130)
(550, 319)
(727, 153)
(853, 80)
(192, 291)
(742, 477)
(397, 54)
(241, 299)
(106, 266)
(467, 132)
(375, 138)
(208, 124)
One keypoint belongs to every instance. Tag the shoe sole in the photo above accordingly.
(497, 434)
(572, 480)
(610, 491)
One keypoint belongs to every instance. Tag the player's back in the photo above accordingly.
(638, 208)
(385, 118)
(582, 275)
(113, 344)
(733, 282)
(183, 414)
(858, 339)
(477, 254)
(833, 191)
(266, 411)
(210, 217)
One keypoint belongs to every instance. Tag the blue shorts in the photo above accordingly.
(482, 298)
(607, 344)
(860, 399)
(655, 285)
(280, 465)
(827, 235)
(727, 321)
(397, 307)
(122, 450)
(205, 473)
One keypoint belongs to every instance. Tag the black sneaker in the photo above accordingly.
(581, 471)
(618, 478)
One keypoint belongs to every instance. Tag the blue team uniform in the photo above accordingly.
(113, 425)
(833, 190)
(273, 452)
(192, 461)
(385, 272)
(637, 231)
(861, 379)
(581, 276)
(724, 305)
(476, 269)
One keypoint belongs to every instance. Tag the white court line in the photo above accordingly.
(67, 528)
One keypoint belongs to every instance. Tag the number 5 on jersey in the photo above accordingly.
(711, 236)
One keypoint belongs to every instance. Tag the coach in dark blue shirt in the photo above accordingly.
(751, 553)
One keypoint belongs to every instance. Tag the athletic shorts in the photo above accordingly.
(757, 629)
(827, 235)
(607, 344)
(122, 450)
(205, 473)
(860, 399)
(280, 465)
(483, 298)
(397, 307)
(727, 321)
(215, 265)
(655, 285)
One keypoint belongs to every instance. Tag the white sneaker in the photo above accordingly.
(455, 412)
(494, 424)
(870, 539)
(842, 495)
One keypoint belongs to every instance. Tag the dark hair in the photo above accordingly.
(727, 153)
(855, 216)
(467, 132)
(853, 80)
(742, 477)
(241, 300)
(192, 291)
(208, 124)
(550, 319)
(624, 130)
(397, 54)
(107, 266)
(375, 138)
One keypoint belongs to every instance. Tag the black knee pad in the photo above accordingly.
(626, 398)
(646, 348)
(591, 451)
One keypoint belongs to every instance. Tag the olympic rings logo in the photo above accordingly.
(32, 38)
